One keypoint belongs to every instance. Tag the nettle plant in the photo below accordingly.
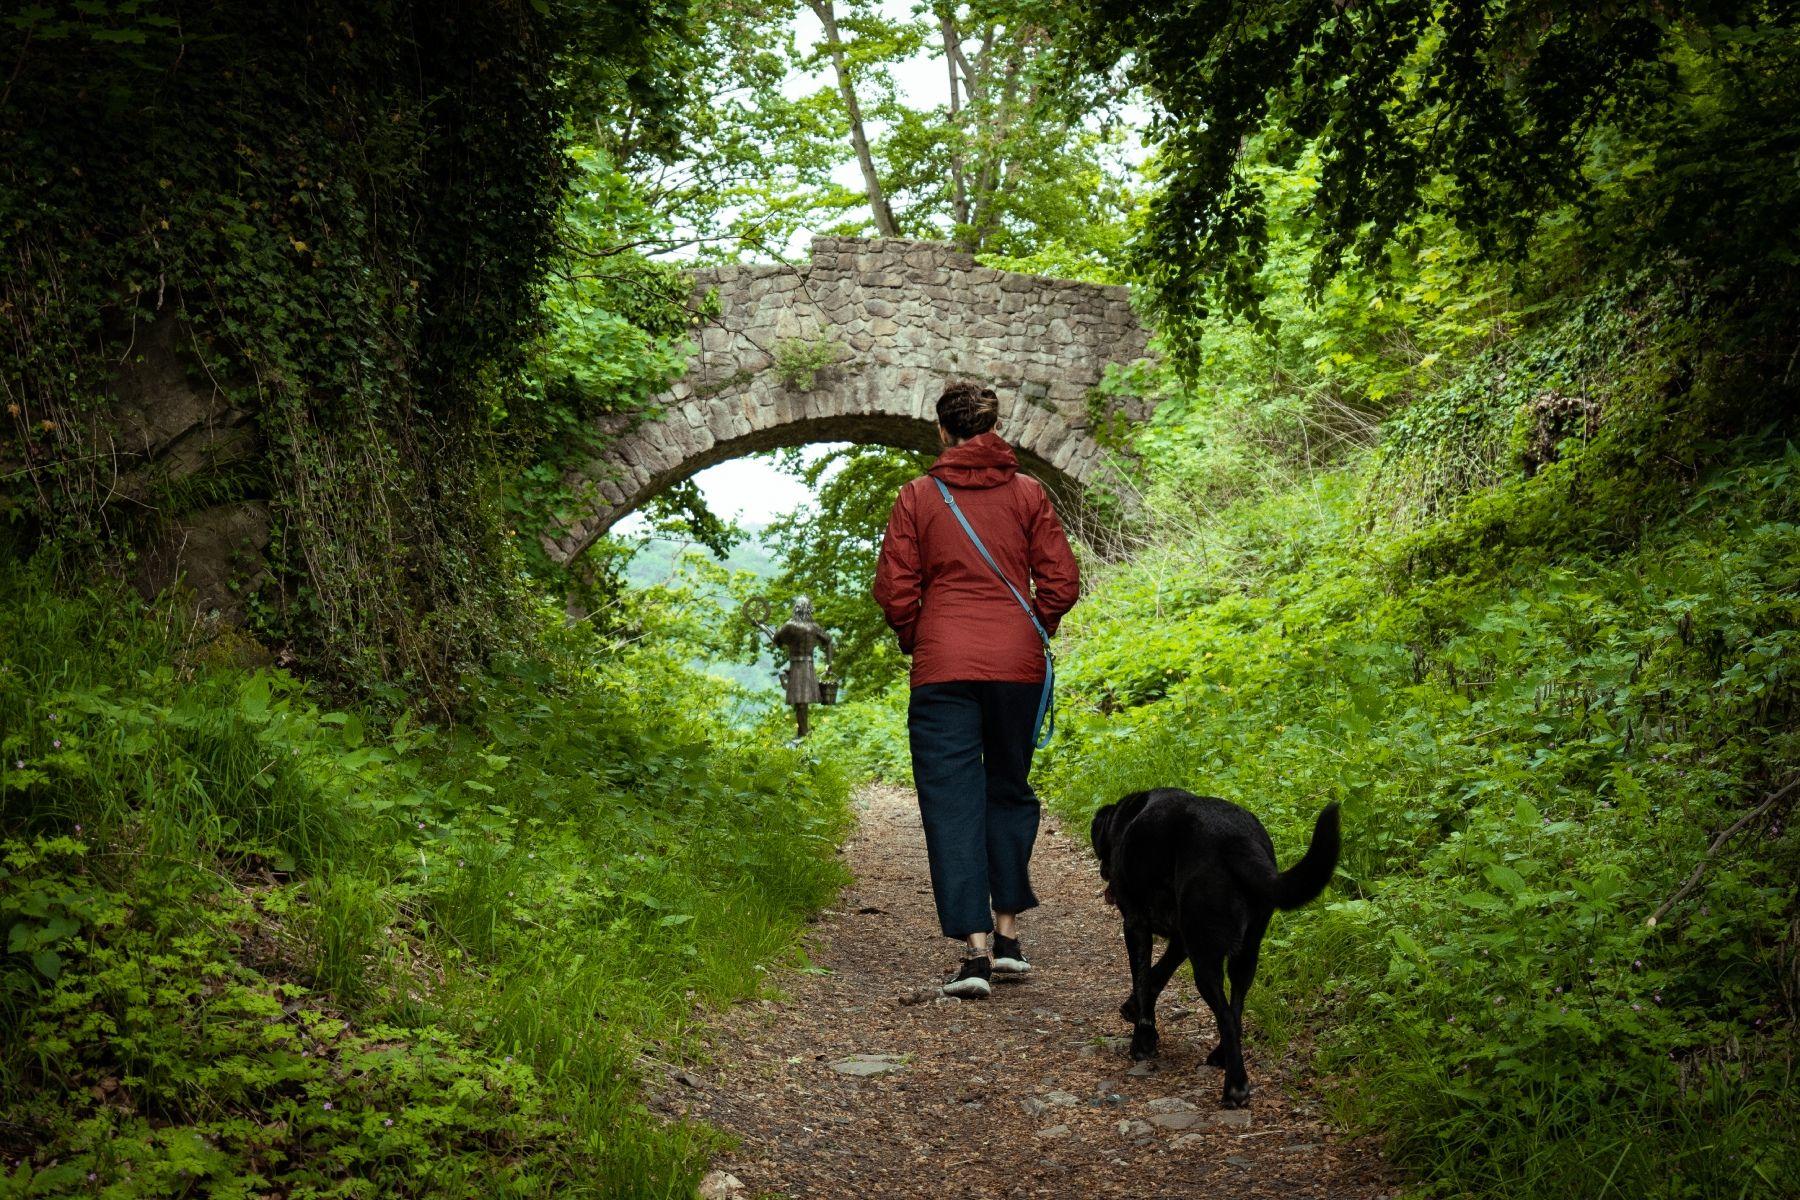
(1539, 737)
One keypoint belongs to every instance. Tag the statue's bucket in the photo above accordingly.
(828, 691)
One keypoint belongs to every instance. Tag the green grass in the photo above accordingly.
(226, 907)
(1535, 727)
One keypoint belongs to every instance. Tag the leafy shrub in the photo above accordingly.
(867, 737)
(799, 361)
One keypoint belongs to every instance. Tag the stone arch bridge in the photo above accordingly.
(856, 345)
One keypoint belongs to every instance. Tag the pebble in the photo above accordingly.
(1232, 1118)
(1174, 1114)
(864, 1066)
(1135, 1128)
(1053, 1132)
(720, 1185)
(1188, 1141)
(1037, 1106)
(1105, 1045)
(1147, 1067)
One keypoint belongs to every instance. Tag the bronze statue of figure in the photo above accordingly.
(800, 636)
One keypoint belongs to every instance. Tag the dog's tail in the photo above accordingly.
(1303, 881)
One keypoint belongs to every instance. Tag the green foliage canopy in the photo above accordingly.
(1651, 119)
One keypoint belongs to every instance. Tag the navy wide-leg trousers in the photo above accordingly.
(971, 754)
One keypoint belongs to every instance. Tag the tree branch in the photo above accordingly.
(959, 192)
(1730, 832)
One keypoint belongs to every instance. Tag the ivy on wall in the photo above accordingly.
(345, 212)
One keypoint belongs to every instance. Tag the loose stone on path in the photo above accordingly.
(1172, 1112)
(721, 1185)
(868, 1065)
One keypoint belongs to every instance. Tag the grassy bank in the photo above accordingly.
(256, 946)
(1537, 711)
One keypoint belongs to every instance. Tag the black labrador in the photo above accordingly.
(1200, 872)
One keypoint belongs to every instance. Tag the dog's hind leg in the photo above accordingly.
(1242, 968)
(1209, 977)
(1160, 974)
(1138, 946)
(1213, 924)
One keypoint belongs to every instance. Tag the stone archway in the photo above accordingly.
(855, 345)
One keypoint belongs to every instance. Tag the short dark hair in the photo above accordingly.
(967, 408)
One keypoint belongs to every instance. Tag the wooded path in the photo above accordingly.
(861, 1084)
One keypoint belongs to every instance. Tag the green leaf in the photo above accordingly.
(1505, 878)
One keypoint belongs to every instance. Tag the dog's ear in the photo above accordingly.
(1100, 834)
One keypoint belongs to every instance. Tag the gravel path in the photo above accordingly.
(858, 1084)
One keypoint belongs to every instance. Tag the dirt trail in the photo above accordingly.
(1029, 1093)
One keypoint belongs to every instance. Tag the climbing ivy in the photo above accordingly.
(346, 211)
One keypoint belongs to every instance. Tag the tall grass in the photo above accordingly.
(204, 865)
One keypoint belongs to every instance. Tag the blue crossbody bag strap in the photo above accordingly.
(1045, 724)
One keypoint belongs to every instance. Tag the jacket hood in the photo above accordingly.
(984, 461)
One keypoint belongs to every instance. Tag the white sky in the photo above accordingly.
(751, 491)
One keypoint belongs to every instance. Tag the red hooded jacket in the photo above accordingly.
(953, 616)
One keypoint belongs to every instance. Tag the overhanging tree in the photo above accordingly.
(1659, 123)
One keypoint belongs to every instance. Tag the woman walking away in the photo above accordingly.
(975, 573)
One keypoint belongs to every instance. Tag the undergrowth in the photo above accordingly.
(256, 947)
(1538, 704)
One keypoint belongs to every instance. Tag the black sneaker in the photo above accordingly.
(1009, 956)
(972, 981)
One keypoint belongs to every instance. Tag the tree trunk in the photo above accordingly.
(997, 122)
(959, 192)
(884, 216)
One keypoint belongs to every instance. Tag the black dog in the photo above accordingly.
(1201, 872)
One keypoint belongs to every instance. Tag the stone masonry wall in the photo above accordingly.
(896, 319)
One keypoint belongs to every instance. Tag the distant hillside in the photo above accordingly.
(656, 563)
